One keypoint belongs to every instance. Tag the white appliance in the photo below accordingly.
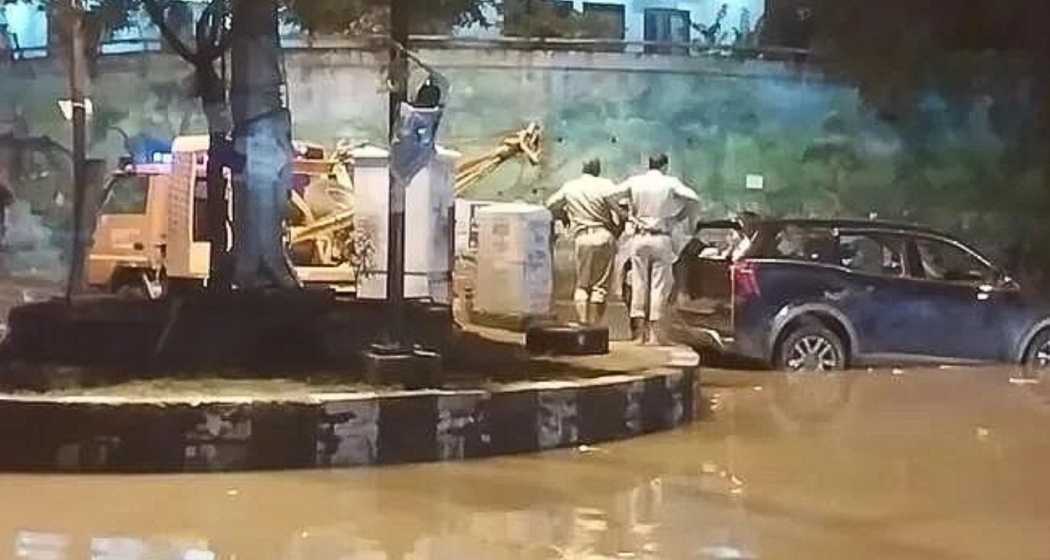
(514, 260)
(429, 202)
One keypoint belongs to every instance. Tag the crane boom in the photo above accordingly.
(526, 143)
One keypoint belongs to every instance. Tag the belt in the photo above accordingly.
(640, 227)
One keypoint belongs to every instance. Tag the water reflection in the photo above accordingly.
(33, 545)
(930, 464)
(41, 546)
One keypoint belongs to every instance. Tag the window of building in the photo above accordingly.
(140, 28)
(536, 18)
(609, 20)
(562, 7)
(664, 25)
(23, 26)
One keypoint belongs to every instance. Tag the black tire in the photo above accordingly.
(133, 290)
(810, 347)
(1037, 357)
(567, 340)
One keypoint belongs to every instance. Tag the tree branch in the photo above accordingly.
(212, 36)
(156, 14)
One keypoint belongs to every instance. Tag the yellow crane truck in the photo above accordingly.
(151, 229)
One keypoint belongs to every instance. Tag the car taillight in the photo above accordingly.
(745, 280)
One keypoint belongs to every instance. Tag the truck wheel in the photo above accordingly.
(811, 347)
(133, 290)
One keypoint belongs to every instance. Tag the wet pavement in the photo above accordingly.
(932, 464)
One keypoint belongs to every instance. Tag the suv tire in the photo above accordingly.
(810, 347)
(1036, 359)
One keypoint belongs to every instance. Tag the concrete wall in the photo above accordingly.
(818, 149)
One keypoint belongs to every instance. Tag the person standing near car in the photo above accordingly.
(657, 203)
(586, 203)
(746, 236)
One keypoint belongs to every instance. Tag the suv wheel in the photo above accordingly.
(1037, 359)
(811, 347)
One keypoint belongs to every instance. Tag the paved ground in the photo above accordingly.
(937, 464)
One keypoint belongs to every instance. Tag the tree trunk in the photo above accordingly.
(77, 73)
(262, 133)
(211, 88)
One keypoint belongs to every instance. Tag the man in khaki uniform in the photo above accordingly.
(658, 203)
(595, 225)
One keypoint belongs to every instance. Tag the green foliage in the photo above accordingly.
(966, 87)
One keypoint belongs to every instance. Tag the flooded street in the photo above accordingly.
(935, 464)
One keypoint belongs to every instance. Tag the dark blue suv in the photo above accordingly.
(827, 294)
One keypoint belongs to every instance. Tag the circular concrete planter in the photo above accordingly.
(328, 430)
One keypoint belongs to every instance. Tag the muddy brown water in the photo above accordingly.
(921, 464)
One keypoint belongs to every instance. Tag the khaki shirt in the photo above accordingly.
(589, 202)
(657, 200)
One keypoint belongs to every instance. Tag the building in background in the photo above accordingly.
(30, 30)
(705, 22)
(26, 26)
(711, 22)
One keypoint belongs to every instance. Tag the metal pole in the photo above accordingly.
(76, 96)
(395, 276)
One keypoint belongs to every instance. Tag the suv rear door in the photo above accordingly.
(703, 285)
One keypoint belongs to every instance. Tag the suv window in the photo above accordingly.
(945, 261)
(872, 253)
(717, 240)
(805, 244)
(127, 195)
